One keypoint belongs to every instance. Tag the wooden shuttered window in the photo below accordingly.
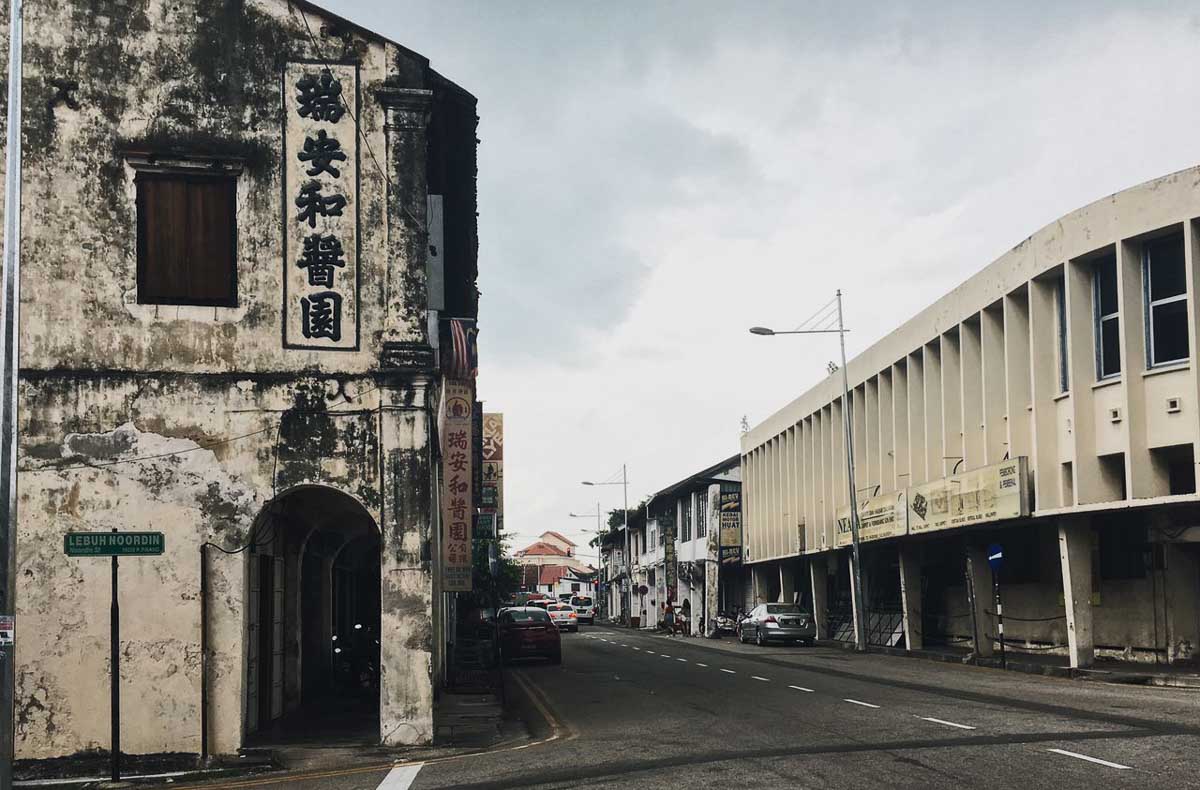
(187, 239)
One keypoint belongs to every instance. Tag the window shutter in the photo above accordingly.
(162, 233)
(211, 230)
(187, 239)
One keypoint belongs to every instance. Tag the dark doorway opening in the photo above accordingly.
(313, 664)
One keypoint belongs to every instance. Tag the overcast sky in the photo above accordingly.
(654, 178)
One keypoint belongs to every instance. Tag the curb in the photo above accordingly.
(1032, 668)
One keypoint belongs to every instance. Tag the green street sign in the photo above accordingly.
(112, 544)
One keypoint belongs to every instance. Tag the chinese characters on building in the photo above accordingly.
(458, 509)
(493, 468)
(320, 206)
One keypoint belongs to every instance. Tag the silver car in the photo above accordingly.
(777, 622)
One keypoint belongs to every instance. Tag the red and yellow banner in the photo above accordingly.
(457, 504)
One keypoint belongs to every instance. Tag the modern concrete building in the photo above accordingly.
(241, 225)
(1049, 405)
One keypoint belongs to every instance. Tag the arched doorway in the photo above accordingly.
(312, 657)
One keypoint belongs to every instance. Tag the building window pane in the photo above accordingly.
(1169, 329)
(685, 523)
(187, 239)
(1166, 301)
(702, 515)
(1165, 259)
(1108, 320)
(1110, 347)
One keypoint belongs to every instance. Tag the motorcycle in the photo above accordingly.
(727, 623)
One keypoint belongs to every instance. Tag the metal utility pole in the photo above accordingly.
(628, 552)
(10, 300)
(860, 617)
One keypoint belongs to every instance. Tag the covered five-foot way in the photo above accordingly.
(313, 619)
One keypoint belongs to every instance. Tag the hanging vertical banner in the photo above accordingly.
(493, 466)
(457, 508)
(320, 206)
(730, 522)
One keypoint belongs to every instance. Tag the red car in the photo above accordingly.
(527, 632)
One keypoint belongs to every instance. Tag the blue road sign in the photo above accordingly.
(995, 556)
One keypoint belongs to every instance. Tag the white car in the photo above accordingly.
(564, 616)
(585, 608)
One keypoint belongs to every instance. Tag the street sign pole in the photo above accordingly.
(115, 679)
(996, 560)
(113, 545)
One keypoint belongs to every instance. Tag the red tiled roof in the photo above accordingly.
(542, 548)
(550, 574)
(563, 538)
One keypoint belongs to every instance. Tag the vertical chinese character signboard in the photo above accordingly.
(493, 466)
(320, 206)
(457, 504)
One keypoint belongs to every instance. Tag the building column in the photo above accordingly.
(407, 654)
(979, 595)
(1182, 594)
(910, 595)
(787, 583)
(1075, 540)
(818, 572)
(762, 584)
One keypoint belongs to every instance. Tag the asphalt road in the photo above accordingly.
(647, 711)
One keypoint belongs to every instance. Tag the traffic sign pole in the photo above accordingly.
(116, 544)
(115, 680)
(996, 560)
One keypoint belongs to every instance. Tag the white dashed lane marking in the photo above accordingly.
(730, 671)
(701, 665)
(947, 723)
(800, 688)
(756, 677)
(1096, 760)
(684, 660)
(856, 702)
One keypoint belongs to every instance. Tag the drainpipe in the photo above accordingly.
(204, 756)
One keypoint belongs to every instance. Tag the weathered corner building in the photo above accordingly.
(241, 223)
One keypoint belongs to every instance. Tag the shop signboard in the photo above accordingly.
(879, 517)
(991, 493)
(457, 503)
(731, 524)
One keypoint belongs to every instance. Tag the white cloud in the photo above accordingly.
(655, 180)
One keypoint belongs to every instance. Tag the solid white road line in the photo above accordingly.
(1096, 760)
(701, 665)
(801, 688)
(856, 702)
(756, 677)
(730, 671)
(400, 778)
(947, 723)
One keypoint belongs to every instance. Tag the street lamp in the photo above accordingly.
(628, 557)
(860, 620)
(598, 533)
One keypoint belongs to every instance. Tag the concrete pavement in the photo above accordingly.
(629, 708)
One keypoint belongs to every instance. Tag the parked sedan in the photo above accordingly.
(564, 616)
(778, 622)
(527, 632)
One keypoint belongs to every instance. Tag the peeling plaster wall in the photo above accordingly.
(197, 77)
(106, 380)
(78, 476)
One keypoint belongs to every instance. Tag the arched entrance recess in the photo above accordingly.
(312, 603)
